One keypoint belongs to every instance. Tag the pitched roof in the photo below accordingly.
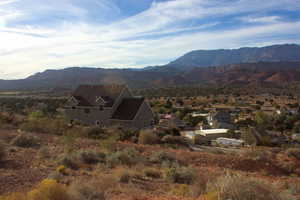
(128, 108)
(88, 94)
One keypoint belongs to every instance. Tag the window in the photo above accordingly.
(73, 107)
(100, 107)
(87, 111)
(98, 123)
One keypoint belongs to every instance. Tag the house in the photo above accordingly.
(108, 105)
(204, 136)
(268, 109)
(228, 142)
(220, 119)
(171, 121)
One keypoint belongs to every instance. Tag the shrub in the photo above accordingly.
(61, 169)
(181, 190)
(109, 144)
(69, 160)
(243, 188)
(55, 175)
(49, 190)
(44, 153)
(129, 156)
(174, 140)
(160, 157)
(90, 156)
(152, 173)
(148, 137)
(2, 152)
(96, 133)
(258, 154)
(123, 175)
(183, 175)
(293, 152)
(55, 126)
(95, 189)
(14, 196)
(25, 141)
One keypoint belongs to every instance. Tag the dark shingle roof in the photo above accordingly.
(128, 108)
(87, 94)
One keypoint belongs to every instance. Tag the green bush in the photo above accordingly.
(25, 141)
(182, 175)
(148, 137)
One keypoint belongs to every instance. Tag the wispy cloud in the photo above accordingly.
(40, 34)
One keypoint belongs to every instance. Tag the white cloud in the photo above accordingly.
(27, 48)
(265, 19)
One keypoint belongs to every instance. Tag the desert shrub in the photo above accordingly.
(152, 173)
(96, 133)
(258, 154)
(182, 175)
(25, 141)
(159, 157)
(174, 140)
(90, 156)
(293, 152)
(14, 196)
(95, 189)
(128, 135)
(292, 187)
(44, 153)
(237, 187)
(2, 151)
(55, 126)
(55, 175)
(69, 160)
(49, 190)
(148, 137)
(181, 190)
(123, 175)
(128, 156)
(110, 144)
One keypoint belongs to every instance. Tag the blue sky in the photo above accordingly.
(47, 34)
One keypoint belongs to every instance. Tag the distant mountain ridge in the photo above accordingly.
(196, 67)
(204, 58)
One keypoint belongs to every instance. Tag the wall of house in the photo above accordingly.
(143, 119)
(94, 115)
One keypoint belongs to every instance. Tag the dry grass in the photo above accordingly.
(237, 187)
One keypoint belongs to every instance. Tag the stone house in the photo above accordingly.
(108, 105)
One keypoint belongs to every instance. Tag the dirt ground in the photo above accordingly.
(24, 168)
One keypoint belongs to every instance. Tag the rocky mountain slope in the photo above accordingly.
(253, 65)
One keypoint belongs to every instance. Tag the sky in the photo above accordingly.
(36, 35)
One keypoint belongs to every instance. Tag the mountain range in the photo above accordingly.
(275, 64)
